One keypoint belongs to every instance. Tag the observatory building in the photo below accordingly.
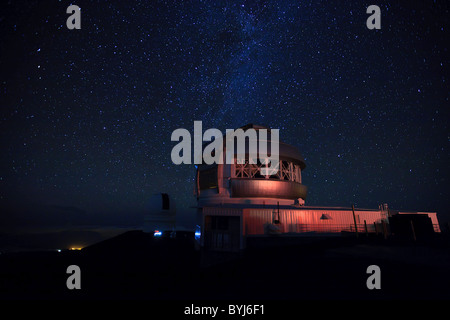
(160, 216)
(238, 205)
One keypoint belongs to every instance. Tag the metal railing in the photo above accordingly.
(378, 228)
(331, 228)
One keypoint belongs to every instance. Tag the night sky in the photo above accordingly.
(86, 115)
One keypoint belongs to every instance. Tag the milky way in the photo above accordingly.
(86, 115)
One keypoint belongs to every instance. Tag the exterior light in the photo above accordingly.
(157, 233)
(198, 232)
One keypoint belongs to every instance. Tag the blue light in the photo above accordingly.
(197, 233)
(157, 233)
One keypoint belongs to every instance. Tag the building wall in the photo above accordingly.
(232, 234)
(297, 221)
(433, 217)
(163, 221)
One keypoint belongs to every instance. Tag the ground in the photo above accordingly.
(134, 265)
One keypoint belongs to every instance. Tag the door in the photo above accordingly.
(222, 233)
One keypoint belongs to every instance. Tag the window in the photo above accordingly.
(287, 171)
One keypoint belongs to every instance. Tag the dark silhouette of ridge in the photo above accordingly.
(130, 240)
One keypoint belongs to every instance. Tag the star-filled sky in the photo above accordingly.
(86, 115)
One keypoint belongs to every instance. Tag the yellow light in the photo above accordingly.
(75, 248)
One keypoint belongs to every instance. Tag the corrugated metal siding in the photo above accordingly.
(296, 221)
(255, 221)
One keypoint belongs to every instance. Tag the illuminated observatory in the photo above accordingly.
(238, 205)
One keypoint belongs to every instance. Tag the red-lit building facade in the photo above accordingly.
(237, 203)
